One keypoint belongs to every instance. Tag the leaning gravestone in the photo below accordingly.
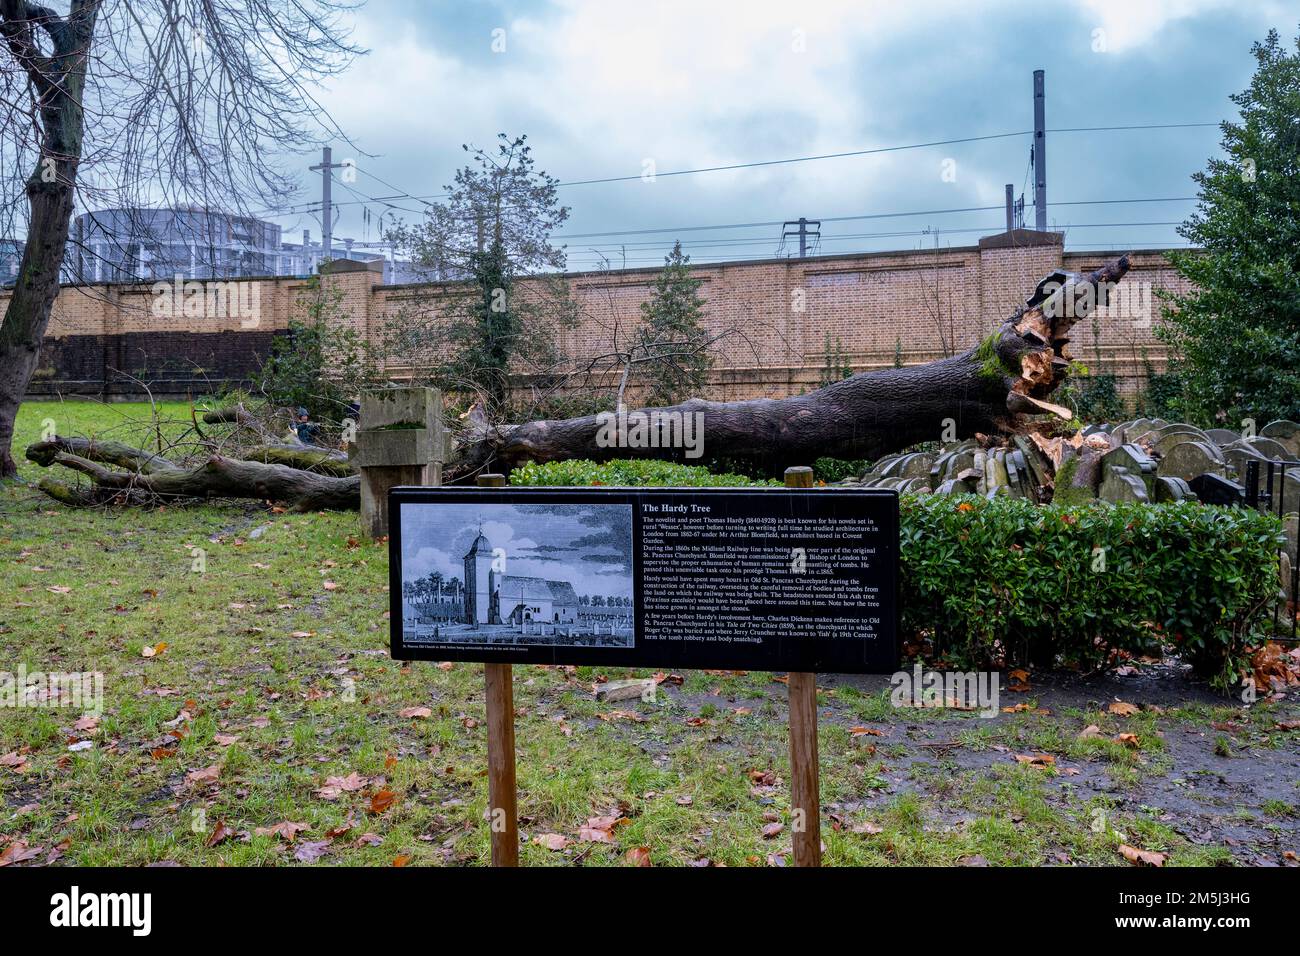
(1222, 437)
(1271, 448)
(1133, 460)
(1168, 488)
(1188, 459)
(1117, 485)
(1285, 431)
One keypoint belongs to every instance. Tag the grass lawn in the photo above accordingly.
(274, 701)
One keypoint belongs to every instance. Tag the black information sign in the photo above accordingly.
(744, 579)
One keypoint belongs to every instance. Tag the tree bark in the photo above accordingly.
(58, 80)
(989, 388)
(139, 476)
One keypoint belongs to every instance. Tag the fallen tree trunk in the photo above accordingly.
(988, 389)
(149, 476)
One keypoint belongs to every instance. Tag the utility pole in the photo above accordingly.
(1040, 154)
(327, 206)
(1011, 207)
(802, 231)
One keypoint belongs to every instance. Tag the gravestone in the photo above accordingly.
(1189, 459)
(1271, 448)
(1216, 490)
(1285, 431)
(1118, 485)
(1168, 488)
(1222, 437)
(1133, 460)
(401, 441)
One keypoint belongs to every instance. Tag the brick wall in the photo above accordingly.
(772, 318)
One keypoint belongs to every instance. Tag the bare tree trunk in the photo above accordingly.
(59, 80)
(985, 389)
(137, 476)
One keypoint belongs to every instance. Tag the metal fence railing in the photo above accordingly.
(1266, 490)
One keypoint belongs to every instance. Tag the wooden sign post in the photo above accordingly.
(673, 578)
(805, 789)
(503, 810)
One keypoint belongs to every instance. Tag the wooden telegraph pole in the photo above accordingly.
(805, 798)
(503, 810)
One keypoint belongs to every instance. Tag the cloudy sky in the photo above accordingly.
(604, 88)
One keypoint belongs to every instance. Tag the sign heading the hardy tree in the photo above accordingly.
(754, 579)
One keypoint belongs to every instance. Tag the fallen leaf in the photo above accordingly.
(310, 851)
(552, 841)
(1129, 740)
(220, 833)
(225, 740)
(772, 830)
(1090, 732)
(337, 785)
(1123, 709)
(86, 723)
(1036, 760)
(638, 856)
(19, 852)
(285, 829)
(865, 732)
(401, 860)
(415, 713)
(1142, 857)
(382, 800)
(206, 775)
(153, 651)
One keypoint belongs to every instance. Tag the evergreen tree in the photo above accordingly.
(672, 350)
(1236, 335)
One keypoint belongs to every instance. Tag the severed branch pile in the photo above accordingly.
(991, 389)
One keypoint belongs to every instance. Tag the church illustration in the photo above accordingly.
(492, 597)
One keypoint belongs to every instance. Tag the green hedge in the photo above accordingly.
(629, 472)
(1007, 581)
(1004, 582)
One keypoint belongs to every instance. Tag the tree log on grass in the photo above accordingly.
(987, 389)
(138, 476)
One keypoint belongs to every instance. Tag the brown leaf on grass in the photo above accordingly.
(1090, 732)
(685, 800)
(1142, 857)
(772, 830)
(368, 839)
(86, 723)
(446, 665)
(401, 860)
(381, 800)
(766, 778)
(600, 829)
(696, 721)
(1128, 740)
(225, 740)
(59, 589)
(207, 775)
(1288, 725)
(19, 852)
(638, 856)
(337, 785)
(621, 715)
(1018, 680)
(154, 650)
(1036, 760)
(865, 732)
(330, 586)
(15, 761)
(220, 833)
(309, 851)
(285, 829)
(1122, 708)
(415, 713)
(551, 841)
(867, 827)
